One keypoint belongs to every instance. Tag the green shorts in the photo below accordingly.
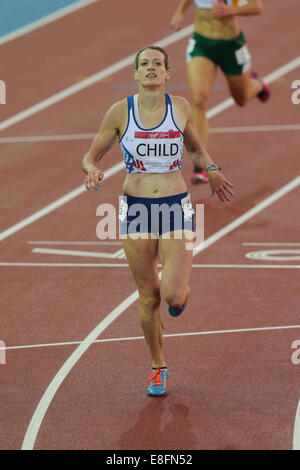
(231, 55)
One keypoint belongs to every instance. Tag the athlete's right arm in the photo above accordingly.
(103, 141)
(177, 18)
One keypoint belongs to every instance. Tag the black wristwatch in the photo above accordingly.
(213, 167)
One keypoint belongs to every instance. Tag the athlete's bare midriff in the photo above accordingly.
(209, 25)
(154, 185)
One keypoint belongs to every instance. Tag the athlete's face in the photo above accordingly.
(151, 68)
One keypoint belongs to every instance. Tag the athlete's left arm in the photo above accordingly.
(199, 156)
(241, 8)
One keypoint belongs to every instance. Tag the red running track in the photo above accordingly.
(233, 383)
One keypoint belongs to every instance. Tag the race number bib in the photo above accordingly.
(187, 207)
(190, 48)
(123, 209)
(242, 55)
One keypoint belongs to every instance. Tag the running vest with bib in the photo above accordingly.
(156, 150)
(208, 4)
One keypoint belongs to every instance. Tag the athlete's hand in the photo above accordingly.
(220, 9)
(93, 178)
(176, 21)
(220, 185)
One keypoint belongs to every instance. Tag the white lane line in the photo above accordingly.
(213, 130)
(68, 242)
(249, 214)
(170, 335)
(123, 64)
(66, 265)
(46, 399)
(112, 69)
(248, 266)
(77, 191)
(224, 130)
(46, 20)
(269, 244)
(125, 265)
(121, 254)
(296, 436)
(56, 204)
(39, 413)
(90, 254)
(45, 138)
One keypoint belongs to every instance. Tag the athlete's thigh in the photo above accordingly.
(201, 75)
(176, 258)
(142, 257)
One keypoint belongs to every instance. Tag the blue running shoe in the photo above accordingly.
(158, 379)
(175, 311)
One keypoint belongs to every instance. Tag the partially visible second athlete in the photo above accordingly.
(217, 41)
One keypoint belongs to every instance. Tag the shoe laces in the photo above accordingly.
(155, 377)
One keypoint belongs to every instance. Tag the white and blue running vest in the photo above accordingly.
(208, 4)
(156, 150)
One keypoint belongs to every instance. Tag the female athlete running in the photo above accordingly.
(151, 127)
(218, 42)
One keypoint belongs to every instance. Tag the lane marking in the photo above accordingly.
(125, 265)
(213, 130)
(112, 69)
(250, 213)
(56, 204)
(171, 335)
(102, 74)
(278, 128)
(68, 242)
(46, 20)
(274, 255)
(45, 138)
(46, 399)
(66, 265)
(40, 411)
(270, 244)
(77, 191)
(248, 266)
(296, 436)
(92, 254)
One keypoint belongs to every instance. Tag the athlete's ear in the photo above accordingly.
(135, 74)
(168, 74)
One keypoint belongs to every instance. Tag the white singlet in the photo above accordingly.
(208, 4)
(156, 150)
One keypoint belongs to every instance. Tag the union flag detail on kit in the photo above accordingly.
(157, 135)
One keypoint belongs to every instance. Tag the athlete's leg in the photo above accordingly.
(176, 269)
(201, 75)
(142, 257)
(243, 87)
(235, 62)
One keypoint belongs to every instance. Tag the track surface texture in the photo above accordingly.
(234, 381)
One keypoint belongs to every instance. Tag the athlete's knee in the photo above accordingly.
(200, 99)
(150, 301)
